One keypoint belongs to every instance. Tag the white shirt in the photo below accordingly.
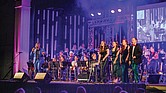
(133, 51)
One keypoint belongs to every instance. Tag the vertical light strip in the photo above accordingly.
(56, 13)
(37, 39)
(43, 35)
(78, 41)
(154, 14)
(44, 14)
(158, 13)
(48, 24)
(83, 20)
(38, 23)
(53, 15)
(75, 28)
(55, 45)
(70, 20)
(70, 30)
(38, 12)
(66, 28)
(52, 42)
(64, 45)
(56, 28)
(47, 48)
(98, 38)
(56, 25)
(65, 31)
(79, 20)
(70, 38)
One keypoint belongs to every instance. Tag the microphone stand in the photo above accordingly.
(11, 67)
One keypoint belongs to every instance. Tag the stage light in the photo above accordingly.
(92, 14)
(99, 13)
(112, 11)
(119, 10)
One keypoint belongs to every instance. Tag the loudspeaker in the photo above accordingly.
(43, 78)
(21, 77)
(153, 79)
(83, 77)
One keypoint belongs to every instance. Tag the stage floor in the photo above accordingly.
(7, 86)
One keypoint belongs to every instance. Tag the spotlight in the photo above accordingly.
(119, 10)
(99, 13)
(92, 14)
(112, 11)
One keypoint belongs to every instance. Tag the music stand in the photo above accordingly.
(81, 64)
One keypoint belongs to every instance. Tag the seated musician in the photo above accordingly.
(74, 62)
(53, 67)
(71, 56)
(94, 60)
(85, 58)
(63, 68)
(73, 68)
(152, 61)
(44, 67)
(93, 68)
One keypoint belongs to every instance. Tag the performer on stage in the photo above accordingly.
(60, 54)
(70, 57)
(115, 61)
(152, 61)
(38, 57)
(53, 67)
(85, 58)
(74, 49)
(63, 68)
(135, 58)
(74, 69)
(102, 60)
(124, 58)
(93, 68)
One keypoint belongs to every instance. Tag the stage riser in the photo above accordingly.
(71, 88)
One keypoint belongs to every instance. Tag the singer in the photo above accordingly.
(38, 57)
(102, 60)
(124, 55)
(135, 58)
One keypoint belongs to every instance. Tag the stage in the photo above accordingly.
(56, 86)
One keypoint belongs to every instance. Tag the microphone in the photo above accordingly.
(19, 52)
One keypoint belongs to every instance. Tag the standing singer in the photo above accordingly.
(135, 58)
(102, 60)
(124, 56)
(38, 57)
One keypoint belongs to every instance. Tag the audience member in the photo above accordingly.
(140, 90)
(37, 90)
(123, 91)
(81, 89)
(117, 89)
(20, 90)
